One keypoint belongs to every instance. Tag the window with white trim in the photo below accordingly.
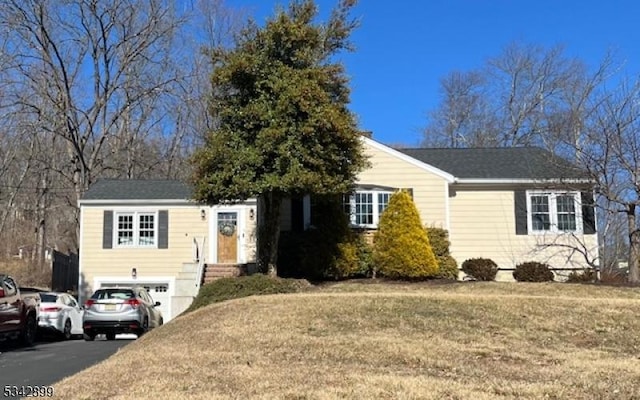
(364, 207)
(135, 229)
(554, 212)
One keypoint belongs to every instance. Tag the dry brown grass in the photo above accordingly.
(27, 273)
(388, 341)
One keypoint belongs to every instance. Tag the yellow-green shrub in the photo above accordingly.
(401, 246)
(439, 240)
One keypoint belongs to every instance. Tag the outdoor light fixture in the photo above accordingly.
(252, 214)
(203, 214)
(134, 273)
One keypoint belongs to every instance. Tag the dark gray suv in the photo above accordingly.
(114, 310)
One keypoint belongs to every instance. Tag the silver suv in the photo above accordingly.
(116, 310)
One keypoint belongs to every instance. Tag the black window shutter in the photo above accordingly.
(163, 229)
(588, 213)
(107, 230)
(520, 202)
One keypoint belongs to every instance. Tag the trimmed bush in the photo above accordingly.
(401, 246)
(244, 286)
(354, 259)
(447, 267)
(586, 276)
(439, 241)
(482, 269)
(533, 271)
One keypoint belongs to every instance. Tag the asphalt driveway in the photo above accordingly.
(48, 362)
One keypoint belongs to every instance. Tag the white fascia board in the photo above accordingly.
(395, 153)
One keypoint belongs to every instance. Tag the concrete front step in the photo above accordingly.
(190, 267)
(187, 275)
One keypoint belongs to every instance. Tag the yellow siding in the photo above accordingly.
(429, 189)
(483, 225)
(185, 223)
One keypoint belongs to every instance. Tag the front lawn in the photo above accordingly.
(387, 340)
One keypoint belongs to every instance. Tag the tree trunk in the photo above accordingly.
(634, 245)
(269, 231)
(41, 224)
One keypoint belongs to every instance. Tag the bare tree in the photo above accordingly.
(610, 152)
(116, 88)
(464, 117)
(91, 73)
(514, 100)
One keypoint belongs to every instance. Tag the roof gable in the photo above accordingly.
(409, 159)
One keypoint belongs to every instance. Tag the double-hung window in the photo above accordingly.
(554, 212)
(135, 229)
(364, 207)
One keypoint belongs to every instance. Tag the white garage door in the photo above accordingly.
(159, 291)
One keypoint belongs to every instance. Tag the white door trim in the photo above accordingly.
(241, 210)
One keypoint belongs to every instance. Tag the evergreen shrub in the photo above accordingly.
(482, 269)
(439, 240)
(401, 246)
(533, 271)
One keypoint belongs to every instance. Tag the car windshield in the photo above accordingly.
(48, 298)
(104, 294)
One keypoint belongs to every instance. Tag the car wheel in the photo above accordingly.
(66, 333)
(145, 327)
(111, 336)
(28, 336)
(89, 336)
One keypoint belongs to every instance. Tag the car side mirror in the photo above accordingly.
(157, 303)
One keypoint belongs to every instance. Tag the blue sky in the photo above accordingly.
(404, 47)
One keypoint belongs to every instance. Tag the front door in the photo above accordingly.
(227, 237)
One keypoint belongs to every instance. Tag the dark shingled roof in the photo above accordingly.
(134, 189)
(498, 163)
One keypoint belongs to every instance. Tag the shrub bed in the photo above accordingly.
(244, 286)
(586, 276)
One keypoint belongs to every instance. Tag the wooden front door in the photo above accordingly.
(227, 237)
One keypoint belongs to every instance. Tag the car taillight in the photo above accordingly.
(133, 302)
(51, 309)
(89, 303)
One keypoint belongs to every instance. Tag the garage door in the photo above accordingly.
(159, 291)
